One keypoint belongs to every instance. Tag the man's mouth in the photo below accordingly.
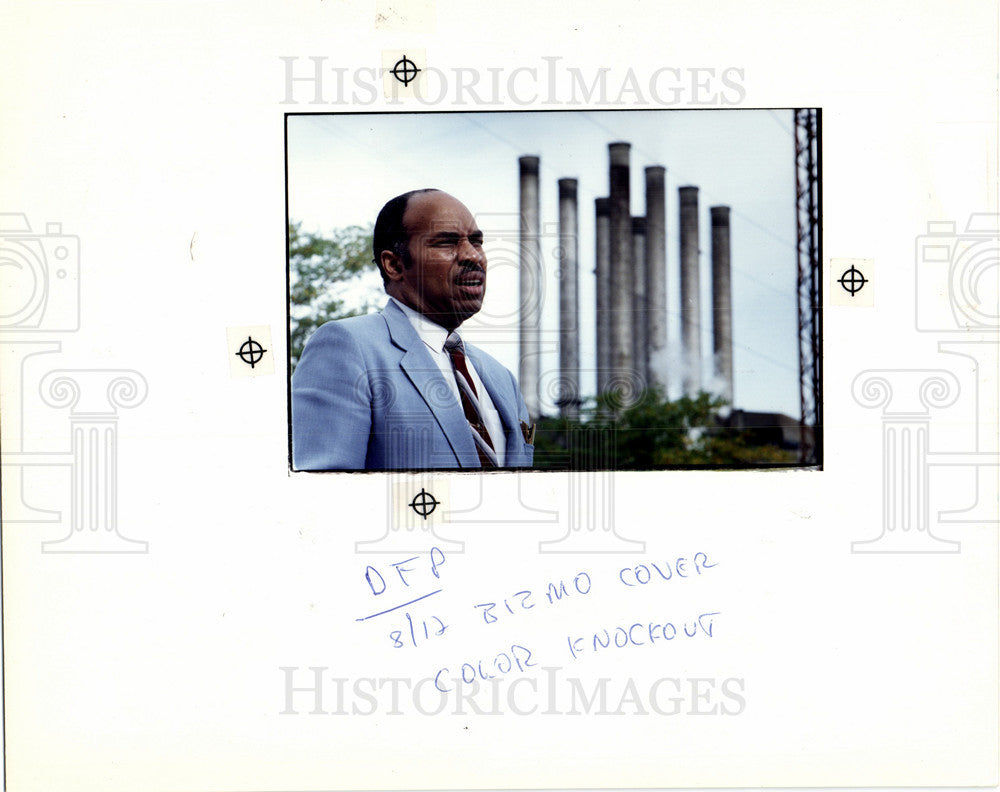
(472, 283)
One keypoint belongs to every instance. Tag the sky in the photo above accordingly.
(343, 167)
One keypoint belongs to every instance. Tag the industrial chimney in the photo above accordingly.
(656, 275)
(602, 274)
(621, 261)
(569, 323)
(530, 270)
(722, 302)
(640, 348)
(690, 291)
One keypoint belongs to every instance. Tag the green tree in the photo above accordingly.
(329, 278)
(651, 433)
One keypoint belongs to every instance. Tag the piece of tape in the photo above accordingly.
(420, 502)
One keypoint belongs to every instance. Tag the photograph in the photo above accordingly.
(620, 290)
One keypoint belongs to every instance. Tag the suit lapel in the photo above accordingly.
(421, 370)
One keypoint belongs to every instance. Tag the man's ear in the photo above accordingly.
(392, 265)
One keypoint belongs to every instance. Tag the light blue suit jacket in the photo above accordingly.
(366, 394)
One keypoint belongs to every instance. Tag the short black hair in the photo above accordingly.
(389, 233)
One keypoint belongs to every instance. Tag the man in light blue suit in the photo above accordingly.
(399, 389)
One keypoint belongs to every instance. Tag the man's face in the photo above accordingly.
(445, 277)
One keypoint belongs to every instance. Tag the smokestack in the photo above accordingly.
(690, 291)
(640, 349)
(530, 285)
(569, 323)
(656, 276)
(602, 273)
(722, 301)
(621, 261)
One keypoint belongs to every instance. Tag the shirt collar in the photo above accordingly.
(430, 332)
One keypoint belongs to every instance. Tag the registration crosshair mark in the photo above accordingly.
(251, 352)
(852, 281)
(405, 71)
(424, 503)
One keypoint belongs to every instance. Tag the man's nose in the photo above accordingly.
(471, 254)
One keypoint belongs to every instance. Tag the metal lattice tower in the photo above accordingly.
(807, 200)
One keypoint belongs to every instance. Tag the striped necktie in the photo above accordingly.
(470, 402)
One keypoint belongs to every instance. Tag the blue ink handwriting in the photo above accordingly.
(503, 663)
(401, 605)
(641, 574)
(636, 634)
(553, 594)
(398, 637)
(378, 587)
(377, 583)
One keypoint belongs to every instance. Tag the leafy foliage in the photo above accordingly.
(651, 433)
(331, 278)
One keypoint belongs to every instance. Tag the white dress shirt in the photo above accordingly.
(434, 336)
